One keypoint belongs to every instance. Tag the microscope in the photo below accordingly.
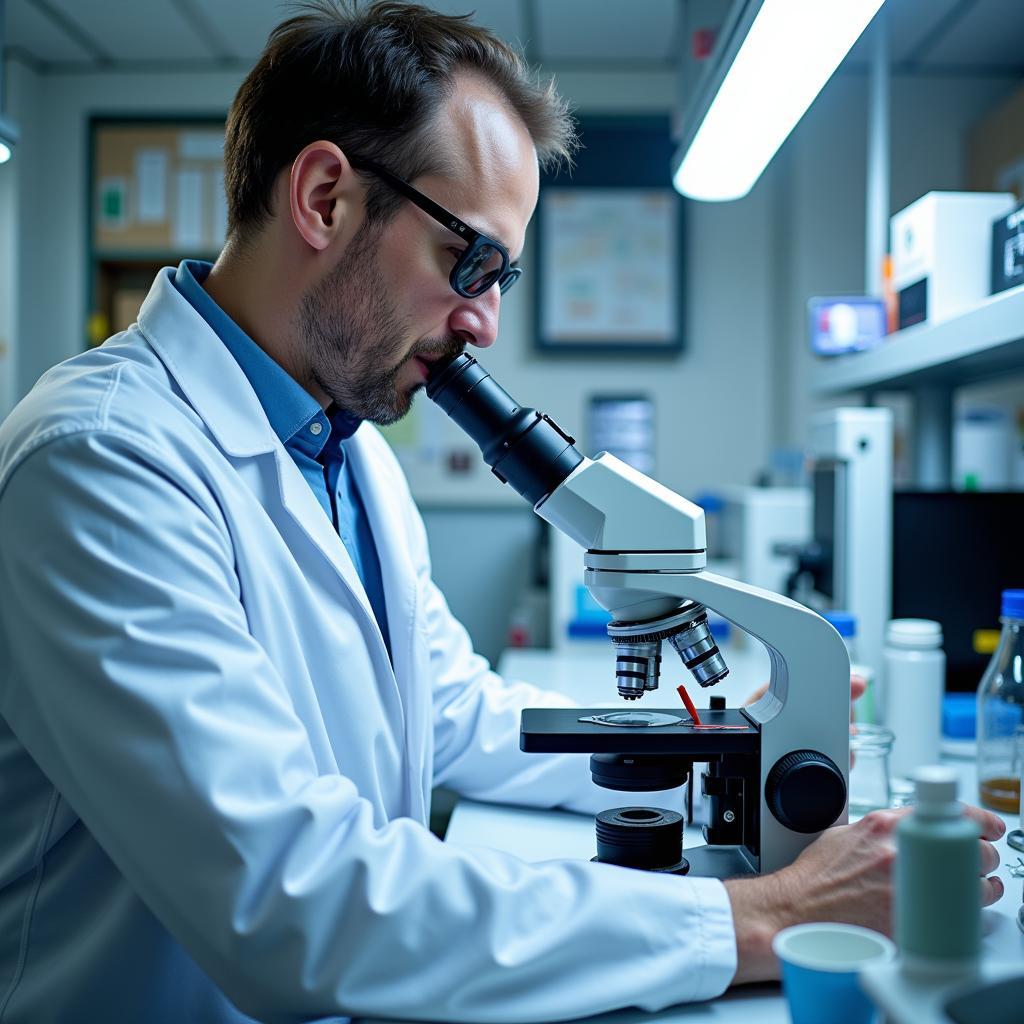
(776, 772)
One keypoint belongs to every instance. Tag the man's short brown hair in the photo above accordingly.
(370, 78)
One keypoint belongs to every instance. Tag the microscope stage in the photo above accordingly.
(559, 730)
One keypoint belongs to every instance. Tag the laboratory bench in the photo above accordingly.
(585, 672)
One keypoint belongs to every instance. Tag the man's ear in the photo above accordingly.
(323, 193)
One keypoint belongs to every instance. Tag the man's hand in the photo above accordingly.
(844, 875)
(857, 687)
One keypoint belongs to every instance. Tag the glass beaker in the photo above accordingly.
(870, 747)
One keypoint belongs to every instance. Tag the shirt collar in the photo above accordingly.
(288, 406)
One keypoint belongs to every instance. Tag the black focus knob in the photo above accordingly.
(805, 791)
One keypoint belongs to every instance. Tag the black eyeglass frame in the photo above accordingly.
(508, 273)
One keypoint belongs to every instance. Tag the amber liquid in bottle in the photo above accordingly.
(1001, 793)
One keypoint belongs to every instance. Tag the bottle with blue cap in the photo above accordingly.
(845, 624)
(1001, 713)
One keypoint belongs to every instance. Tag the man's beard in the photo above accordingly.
(353, 335)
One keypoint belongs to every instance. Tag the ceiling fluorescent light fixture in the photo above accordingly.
(8, 138)
(775, 57)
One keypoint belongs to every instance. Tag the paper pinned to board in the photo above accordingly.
(151, 186)
(187, 228)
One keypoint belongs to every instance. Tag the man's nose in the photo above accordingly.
(476, 320)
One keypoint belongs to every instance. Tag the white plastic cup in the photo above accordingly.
(915, 682)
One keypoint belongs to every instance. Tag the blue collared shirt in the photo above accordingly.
(314, 439)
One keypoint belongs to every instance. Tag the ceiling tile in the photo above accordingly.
(137, 30)
(585, 30)
(990, 32)
(244, 25)
(37, 34)
(909, 23)
(505, 18)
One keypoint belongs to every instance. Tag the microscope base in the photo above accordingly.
(718, 862)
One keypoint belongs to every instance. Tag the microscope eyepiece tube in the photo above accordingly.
(523, 447)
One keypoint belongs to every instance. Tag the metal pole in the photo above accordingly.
(933, 437)
(3, 56)
(876, 242)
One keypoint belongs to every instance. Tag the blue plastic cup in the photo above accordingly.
(820, 965)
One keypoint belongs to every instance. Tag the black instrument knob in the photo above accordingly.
(805, 791)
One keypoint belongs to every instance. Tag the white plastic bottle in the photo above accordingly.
(915, 681)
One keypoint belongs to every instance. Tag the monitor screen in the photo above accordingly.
(845, 324)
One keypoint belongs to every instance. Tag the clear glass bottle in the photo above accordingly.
(1001, 710)
(870, 786)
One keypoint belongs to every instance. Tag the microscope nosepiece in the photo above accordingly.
(638, 650)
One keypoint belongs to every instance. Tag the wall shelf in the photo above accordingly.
(982, 343)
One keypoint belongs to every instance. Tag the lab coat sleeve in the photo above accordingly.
(132, 680)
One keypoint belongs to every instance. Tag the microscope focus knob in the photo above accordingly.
(805, 791)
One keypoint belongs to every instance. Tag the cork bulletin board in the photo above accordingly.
(155, 197)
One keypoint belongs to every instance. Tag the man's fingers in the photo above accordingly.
(858, 684)
(883, 822)
(989, 858)
(991, 890)
(756, 695)
(991, 825)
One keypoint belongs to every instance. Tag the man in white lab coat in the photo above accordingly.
(227, 682)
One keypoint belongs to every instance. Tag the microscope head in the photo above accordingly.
(623, 520)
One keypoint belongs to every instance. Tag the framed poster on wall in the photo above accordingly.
(610, 245)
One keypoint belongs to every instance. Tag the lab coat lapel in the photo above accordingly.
(308, 514)
(398, 574)
(220, 393)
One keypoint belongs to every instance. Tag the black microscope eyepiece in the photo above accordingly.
(523, 447)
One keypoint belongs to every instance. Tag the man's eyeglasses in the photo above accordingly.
(482, 263)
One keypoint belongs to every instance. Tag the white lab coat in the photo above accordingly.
(215, 782)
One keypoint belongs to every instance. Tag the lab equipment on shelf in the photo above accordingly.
(941, 248)
(1000, 708)
(846, 323)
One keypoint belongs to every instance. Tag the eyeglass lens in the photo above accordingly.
(480, 268)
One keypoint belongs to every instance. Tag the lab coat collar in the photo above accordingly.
(205, 370)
